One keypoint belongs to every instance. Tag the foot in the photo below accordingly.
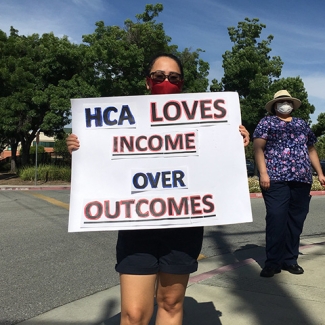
(293, 268)
(268, 272)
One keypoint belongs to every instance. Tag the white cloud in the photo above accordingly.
(315, 85)
(93, 4)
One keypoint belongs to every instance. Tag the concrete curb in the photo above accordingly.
(67, 187)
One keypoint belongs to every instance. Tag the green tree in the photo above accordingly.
(38, 76)
(60, 145)
(320, 147)
(216, 85)
(40, 150)
(4, 142)
(319, 127)
(249, 69)
(117, 57)
(254, 74)
(196, 71)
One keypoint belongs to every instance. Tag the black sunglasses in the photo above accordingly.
(159, 76)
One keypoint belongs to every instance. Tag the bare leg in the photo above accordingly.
(137, 298)
(170, 297)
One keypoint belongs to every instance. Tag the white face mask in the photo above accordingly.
(284, 108)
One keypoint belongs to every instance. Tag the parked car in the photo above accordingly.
(250, 166)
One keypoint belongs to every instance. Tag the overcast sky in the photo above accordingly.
(297, 26)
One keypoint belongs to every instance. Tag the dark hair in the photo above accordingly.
(168, 55)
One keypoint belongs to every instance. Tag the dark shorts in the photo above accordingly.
(173, 250)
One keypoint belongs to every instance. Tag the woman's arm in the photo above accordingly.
(259, 146)
(315, 163)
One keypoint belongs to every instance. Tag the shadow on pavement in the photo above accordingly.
(201, 313)
(263, 298)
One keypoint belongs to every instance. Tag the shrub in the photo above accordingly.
(46, 173)
(32, 150)
(316, 186)
(254, 186)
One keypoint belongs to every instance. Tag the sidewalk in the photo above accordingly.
(226, 290)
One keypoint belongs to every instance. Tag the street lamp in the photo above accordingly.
(37, 141)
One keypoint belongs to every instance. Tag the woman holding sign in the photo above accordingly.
(157, 262)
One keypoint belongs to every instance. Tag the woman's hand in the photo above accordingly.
(264, 181)
(245, 134)
(72, 143)
(316, 164)
(321, 179)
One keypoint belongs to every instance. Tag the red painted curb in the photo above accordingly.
(316, 193)
(256, 195)
(312, 193)
(34, 188)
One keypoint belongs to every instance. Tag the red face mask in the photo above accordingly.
(165, 87)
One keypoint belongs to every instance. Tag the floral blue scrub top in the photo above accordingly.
(286, 149)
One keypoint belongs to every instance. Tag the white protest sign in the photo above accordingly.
(158, 161)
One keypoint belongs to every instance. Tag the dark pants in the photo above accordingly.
(287, 205)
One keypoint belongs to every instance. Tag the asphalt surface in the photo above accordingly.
(42, 265)
(50, 276)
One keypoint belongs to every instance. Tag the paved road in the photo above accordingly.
(42, 266)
